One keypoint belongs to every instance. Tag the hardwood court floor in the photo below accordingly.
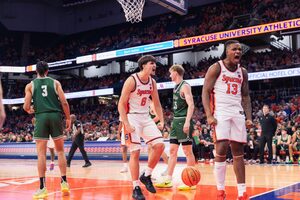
(18, 180)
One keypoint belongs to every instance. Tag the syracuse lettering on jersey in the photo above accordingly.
(141, 92)
(231, 79)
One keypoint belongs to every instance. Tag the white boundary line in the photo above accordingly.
(257, 195)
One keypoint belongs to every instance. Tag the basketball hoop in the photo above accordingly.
(133, 10)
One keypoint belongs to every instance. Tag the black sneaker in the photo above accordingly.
(146, 180)
(68, 164)
(137, 193)
(87, 164)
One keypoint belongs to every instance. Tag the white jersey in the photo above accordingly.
(226, 96)
(139, 101)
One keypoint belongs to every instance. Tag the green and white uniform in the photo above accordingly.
(47, 109)
(180, 108)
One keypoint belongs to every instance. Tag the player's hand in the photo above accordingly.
(211, 120)
(2, 117)
(186, 127)
(249, 123)
(160, 126)
(129, 128)
(31, 110)
(68, 125)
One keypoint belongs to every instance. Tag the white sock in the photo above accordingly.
(148, 171)
(274, 157)
(125, 164)
(220, 172)
(135, 183)
(169, 178)
(241, 189)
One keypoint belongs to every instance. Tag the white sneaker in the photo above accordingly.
(165, 173)
(124, 170)
(278, 159)
(211, 160)
(202, 160)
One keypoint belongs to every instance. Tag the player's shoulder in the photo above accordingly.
(243, 69)
(214, 69)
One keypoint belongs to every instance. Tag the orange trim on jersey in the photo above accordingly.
(212, 102)
(142, 81)
(238, 66)
(134, 84)
(214, 136)
(154, 139)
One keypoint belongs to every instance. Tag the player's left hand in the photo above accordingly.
(31, 110)
(249, 123)
(186, 127)
(160, 126)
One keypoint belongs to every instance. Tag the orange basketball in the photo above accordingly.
(190, 176)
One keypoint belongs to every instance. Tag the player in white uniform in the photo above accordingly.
(121, 136)
(226, 99)
(134, 111)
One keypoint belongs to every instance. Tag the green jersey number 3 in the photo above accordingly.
(44, 92)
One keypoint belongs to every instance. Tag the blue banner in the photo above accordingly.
(145, 48)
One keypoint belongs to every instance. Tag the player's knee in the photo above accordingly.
(188, 152)
(158, 146)
(238, 156)
(135, 155)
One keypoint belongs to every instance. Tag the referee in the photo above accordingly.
(78, 142)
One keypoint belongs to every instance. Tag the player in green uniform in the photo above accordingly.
(48, 101)
(182, 126)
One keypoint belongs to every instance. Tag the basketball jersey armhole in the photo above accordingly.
(220, 71)
(243, 75)
(184, 82)
(32, 87)
(134, 83)
(152, 81)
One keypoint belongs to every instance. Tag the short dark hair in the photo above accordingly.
(42, 67)
(227, 43)
(144, 60)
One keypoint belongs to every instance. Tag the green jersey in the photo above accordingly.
(44, 95)
(180, 106)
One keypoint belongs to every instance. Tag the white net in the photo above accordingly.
(133, 10)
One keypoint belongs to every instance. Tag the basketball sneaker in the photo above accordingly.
(164, 173)
(244, 197)
(184, 187)
(146, 180)
(51, 166)
(164, 184)
(137, 193)
(221, 195)
(124, 170)
(65, 188)
(41, 193)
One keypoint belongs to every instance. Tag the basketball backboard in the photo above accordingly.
(177, 6)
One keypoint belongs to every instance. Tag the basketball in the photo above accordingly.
(190, 176)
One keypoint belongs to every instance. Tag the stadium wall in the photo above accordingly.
(106, 150)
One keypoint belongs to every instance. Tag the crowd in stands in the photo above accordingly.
(263, 61)
(100, 122)
(200, 20)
